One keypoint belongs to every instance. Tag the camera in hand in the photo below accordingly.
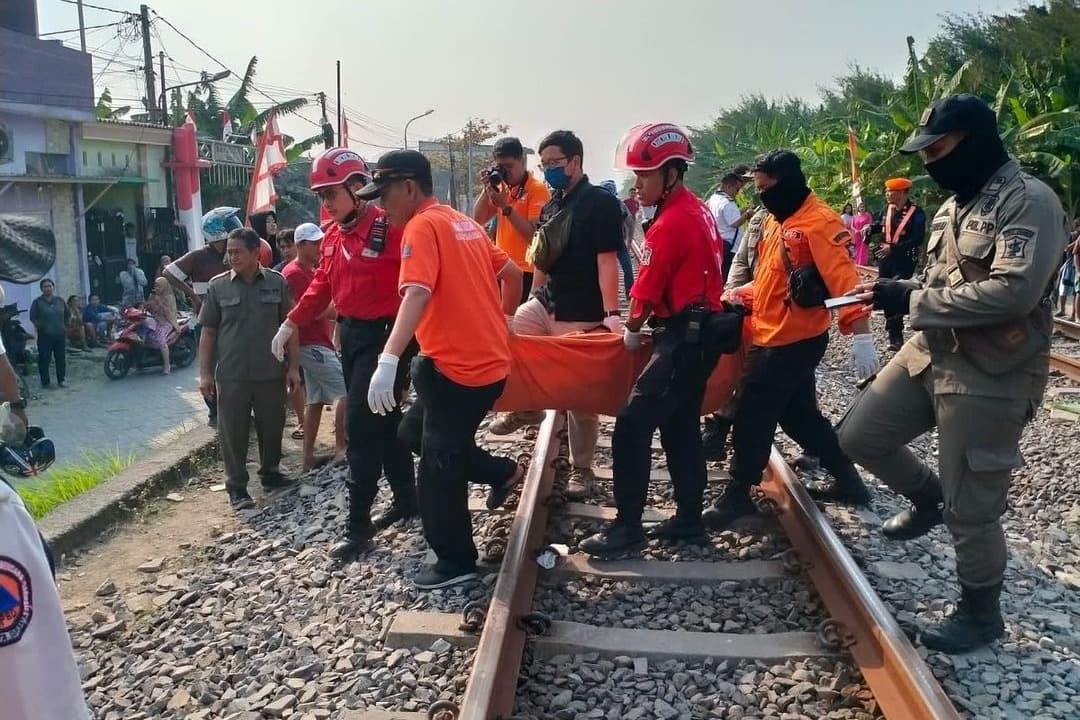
(495, 177)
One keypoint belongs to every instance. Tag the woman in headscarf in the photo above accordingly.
(860, 224)
(162, 308)
(265, 224)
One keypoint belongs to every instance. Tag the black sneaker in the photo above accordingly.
(434, 577)
(239, 499)
(679, 527)
(275, 481)
(615, 539)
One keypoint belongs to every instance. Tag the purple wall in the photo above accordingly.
(44, 72)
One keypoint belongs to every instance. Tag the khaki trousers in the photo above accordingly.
(532, 318)
(235, 402)
(978, 439)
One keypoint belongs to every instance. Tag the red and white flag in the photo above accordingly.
(226, 126)
(344, 131)
(269, 159)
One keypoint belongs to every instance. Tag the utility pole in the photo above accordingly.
(453, 183)
(82, 26)
(324, 124)
(148, 60)
(339, 109)
(164, 103)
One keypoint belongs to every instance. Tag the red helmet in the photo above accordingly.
(266, 254)
(335, 166)
(649, 145)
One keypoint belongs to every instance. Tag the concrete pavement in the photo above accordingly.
(132, 416)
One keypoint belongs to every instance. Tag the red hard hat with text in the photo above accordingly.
(649, 145)
(335, 166)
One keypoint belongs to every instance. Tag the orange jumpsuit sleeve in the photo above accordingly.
(828, 242)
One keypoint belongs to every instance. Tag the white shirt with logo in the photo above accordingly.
(726, 213)
(39, 679)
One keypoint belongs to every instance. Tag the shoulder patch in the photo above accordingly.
(1016, 241)
(939, 224)
(792, 234)
(406, 251)
(841, 238)
(646, 254)
(16, 601)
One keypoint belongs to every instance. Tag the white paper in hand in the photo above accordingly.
(832, 303)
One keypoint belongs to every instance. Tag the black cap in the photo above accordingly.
(396, 165)
(777, 164)
(955, 112)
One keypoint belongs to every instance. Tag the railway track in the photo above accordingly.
(858, 626)
(1063, 363)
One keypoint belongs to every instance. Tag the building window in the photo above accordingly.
(38, 163)
(84, 158)
(99, 158)
(114, 159)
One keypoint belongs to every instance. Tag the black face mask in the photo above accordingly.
(785, 197)
(969, 166)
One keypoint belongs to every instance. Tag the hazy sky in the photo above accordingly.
(594, 66)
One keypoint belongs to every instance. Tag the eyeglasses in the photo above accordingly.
(554, 162)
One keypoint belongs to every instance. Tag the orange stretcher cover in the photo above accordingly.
(593, 373)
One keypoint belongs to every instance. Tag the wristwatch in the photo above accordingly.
(507, 210)
(19, 404)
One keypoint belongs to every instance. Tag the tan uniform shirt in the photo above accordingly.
(743, 266)
(246, 317)
(1018, 222)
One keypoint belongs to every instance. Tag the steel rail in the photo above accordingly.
(492, 685)
(1066, 365)
(901, 682)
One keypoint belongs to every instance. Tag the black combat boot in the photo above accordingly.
(392, 514)
(714, 437)
(735, 503)
(618, 537)
(806, 463)
(848, 488)
(918, 520)
(685, 527)
(358, 533)
(976, 622)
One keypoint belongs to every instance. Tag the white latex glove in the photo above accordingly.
(632, 340)
(380, 394)
(613, 323)
(864, 356)
(281, 338)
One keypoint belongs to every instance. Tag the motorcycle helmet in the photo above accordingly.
(34, 456)
(219, 222)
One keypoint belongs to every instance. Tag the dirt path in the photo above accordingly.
(172, 530)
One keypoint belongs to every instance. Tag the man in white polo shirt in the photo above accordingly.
(727, 214)
(38, 675)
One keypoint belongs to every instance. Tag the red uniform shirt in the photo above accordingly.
(682, 260)
(320, 330)
(361, 283)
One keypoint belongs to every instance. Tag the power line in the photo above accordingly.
(97, 7)
(88, 27)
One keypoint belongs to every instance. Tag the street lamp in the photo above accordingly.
(421, 115)
(166, 90)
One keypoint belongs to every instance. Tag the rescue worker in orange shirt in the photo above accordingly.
(678, 291)
(450, 277)
(357, 280)
(802, 260)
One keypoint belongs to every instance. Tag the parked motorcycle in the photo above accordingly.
(14, 337)
(131, 349)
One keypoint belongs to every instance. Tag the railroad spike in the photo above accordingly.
(473, 616)
(534, 624)
(834, 635)
(444, 710)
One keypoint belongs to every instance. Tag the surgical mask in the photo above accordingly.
(967, 168)
(556, 177)
(785, 197)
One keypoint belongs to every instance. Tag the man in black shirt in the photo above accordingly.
(580, 289)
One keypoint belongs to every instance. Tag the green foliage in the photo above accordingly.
(105, 110)
(1026, 65)
(59, 485)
